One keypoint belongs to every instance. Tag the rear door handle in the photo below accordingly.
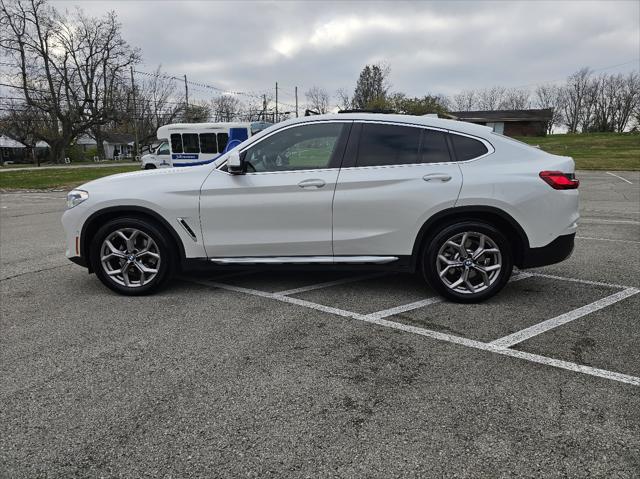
(437, 177)
(312, 183)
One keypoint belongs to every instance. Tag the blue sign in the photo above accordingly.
(184, 156)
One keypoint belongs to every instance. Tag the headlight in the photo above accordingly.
(75, 197)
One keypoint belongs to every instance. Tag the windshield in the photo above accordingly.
(163, 148)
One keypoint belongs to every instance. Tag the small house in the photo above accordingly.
(510, 122)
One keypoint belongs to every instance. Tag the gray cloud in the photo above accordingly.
(439, 47)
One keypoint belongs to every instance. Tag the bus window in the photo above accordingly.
(222, 141)
(176, 143)
(190, 142)
(208, 143)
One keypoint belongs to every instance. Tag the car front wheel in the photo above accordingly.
(468, 262)
(132, 256)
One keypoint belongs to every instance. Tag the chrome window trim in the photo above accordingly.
(490, 148)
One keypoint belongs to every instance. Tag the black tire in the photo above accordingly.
(430, 262)
(149, 166)
(163, 247)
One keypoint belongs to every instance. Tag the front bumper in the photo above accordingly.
(556, 251)
(79, 260)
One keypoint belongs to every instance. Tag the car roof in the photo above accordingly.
(454, 125)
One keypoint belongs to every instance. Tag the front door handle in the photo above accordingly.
(437, 177)
(312, 183)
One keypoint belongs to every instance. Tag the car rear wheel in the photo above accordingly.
(468, 262)
(132, 256)
(149, 166)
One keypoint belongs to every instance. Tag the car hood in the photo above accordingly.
(146, 178)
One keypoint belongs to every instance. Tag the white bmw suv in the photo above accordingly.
(448, 199)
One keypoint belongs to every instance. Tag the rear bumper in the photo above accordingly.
(556, 251)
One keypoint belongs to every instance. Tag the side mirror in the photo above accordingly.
(235, 165)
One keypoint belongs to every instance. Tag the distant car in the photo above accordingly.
(452, 200)
(192, 144)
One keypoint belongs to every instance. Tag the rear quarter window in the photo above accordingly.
(467, 148)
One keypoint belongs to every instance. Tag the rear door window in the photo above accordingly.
(382, 144)
(433, 148)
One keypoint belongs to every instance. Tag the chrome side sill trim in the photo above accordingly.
(304, 259)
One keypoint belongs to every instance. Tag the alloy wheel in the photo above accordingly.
(469, 262)
(130, 257)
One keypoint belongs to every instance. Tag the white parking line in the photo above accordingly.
(470, 343)
(328, 284)
(403, 308)
(578, 280)
(607, 239)
(279, 297)
(543, 327)
(623, 179)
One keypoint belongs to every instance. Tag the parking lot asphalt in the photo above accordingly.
(284, 374)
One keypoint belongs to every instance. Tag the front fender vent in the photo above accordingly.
(188, 229)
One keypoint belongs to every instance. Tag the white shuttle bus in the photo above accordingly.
(190, 144)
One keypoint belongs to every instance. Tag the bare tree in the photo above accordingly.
(615, 99)
(196, 112)
(344, 101)
(69, 66)
(155, 105)
(464, 101)
(516, 99)
(491, 98)
(627, 101)
(225, 108)
(550, 97)
(317, 99)
(574, 95)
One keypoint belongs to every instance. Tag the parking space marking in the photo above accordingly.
(279, 297)
(470, 343)
(328, 284)
(404, 308)
(607, 239)
(543, 327)
(578, 280)
(623, 179)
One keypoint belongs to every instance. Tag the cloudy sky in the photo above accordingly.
(431, 47)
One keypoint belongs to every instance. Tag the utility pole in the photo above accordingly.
(136, 149)
(186, 91)
(276, 116)
(264, 107)
(296, 102)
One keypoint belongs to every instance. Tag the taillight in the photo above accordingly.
(559, 180)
